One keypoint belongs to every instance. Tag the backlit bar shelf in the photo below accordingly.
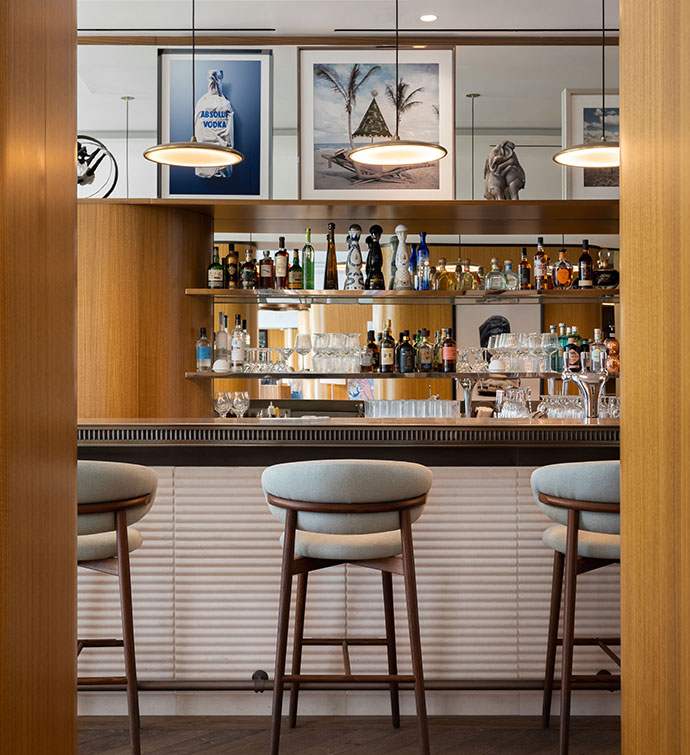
(304, 298)
(375, 375)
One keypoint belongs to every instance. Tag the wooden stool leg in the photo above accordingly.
(283, 627)
(297, 644)
(568, 627)
(413, 622)
(389, 614)
(552, 643)
(128, 630)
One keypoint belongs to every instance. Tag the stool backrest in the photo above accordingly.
(104, 487)
(347, 496)
(593, 487)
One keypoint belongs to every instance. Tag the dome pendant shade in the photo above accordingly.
(601, 154)
(193, 154)
(398, 152)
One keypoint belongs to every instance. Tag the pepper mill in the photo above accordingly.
(393, 243)
(403, 279)
(375, 279)
(354, 280)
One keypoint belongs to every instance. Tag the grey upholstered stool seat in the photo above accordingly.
(354, 512)
(111, 497)
(584, 501)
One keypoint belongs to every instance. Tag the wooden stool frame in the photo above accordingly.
(119, 567)
(572, 564)
(301, 566)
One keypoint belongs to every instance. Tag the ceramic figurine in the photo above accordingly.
(375, 279)
(403, 279)
(393, 243)
(503, 174)
(354, 280)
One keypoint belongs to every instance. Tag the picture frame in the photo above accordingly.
(324, 138)
(245, 84)
(580, 123)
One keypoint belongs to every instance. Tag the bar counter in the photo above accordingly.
(206, 580)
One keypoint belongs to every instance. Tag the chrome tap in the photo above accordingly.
(590, 382)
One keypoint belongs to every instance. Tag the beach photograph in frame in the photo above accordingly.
(347, 100)
(232, 107)
(581, 123)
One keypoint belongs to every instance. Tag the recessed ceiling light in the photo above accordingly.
(428, 18)
(419, 47)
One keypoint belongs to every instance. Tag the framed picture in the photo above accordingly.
(581, 123)
(347, 99)
(232, 105)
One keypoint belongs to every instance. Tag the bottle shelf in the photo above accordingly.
(305, 298)
(375, 375)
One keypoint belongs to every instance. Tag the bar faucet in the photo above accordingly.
(590, 382)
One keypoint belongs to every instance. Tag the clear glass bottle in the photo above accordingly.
(203, 353)
(247, 336)
(481, 278)
(598, 351)
(282, 264)
(295, 273)
(266, 274)
(584, 264)
(422, 250)
(215, 274)
(512, 280)
(237, 346)
(562, 271)
(308, 257)
(424, 274)
(464, 277)
(495, 280)
(443, 280)
(221, 342)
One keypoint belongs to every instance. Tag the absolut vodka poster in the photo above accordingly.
(231, 106)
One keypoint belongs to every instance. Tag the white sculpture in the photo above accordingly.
(354, 280)
(403, 279)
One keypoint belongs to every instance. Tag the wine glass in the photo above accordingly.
(240, 403)
(303, 347)
(222, 403)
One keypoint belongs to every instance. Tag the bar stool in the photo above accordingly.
(110, 497)
(584, 500)
(347, 512)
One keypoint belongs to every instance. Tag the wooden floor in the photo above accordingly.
(495, 735)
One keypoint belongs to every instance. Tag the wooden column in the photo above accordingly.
(137, 329)
(655, 429)
(37, 378)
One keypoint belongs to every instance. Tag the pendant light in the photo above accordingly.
(602, 153)
(193, 154)
(397, 151)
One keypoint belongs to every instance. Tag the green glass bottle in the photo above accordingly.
(308, 263)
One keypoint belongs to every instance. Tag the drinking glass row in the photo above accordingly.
(235, 401)
(522, 352)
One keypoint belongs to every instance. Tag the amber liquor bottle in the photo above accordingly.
(449, 353)
(295, 274)
(232, 268)
(387, 350)
(330, 278)
(369, 361)
(540, 267)
(249, 277)
(282, 264)
(562, 271)
(585, 267)
(266, 276)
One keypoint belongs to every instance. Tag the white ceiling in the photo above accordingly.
(307, 17)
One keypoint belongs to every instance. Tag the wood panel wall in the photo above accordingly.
(37, 378)
(137, 330)
(655, 441)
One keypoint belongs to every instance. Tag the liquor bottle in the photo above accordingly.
(540, 269)
(393, 242)
(295, 273)
(525, 271)
(605, 276)
(374, 265)
(443, 280)
(549, 273)
(481, 277)
(369, 360)
(425, 353)
(586, 274)
(248, 273)
(553, 364)
(214, 273)
(562, 342)
(512, 279)
(203, 353)
(237, 346)
(571, 355)
(266, 274)
(438, 348)
(495, 280)
(562, 271)
(387, 349)
(397, 351)
(424, 274)
(354, 280)
(221, 342)
(281, 264)
(308, 256)
(403, 279)
(330, 273)
(232, 268)
(413, 266)
(422, 250)
(407, 354)
(449, 352)
(464, 277)
(575, 333)
(247, 336)
(613, 359)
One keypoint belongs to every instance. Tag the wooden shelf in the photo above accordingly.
(375, 375)
(305, 298)
(581, 216)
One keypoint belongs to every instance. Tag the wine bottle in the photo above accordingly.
(330, 278)
(215, 274)
(449, 352)
(308, 263)
(387, 349)
(295, 272)
(281, 264)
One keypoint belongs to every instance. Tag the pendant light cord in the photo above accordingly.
(397, 81)
(193, 65)
(603, 70)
